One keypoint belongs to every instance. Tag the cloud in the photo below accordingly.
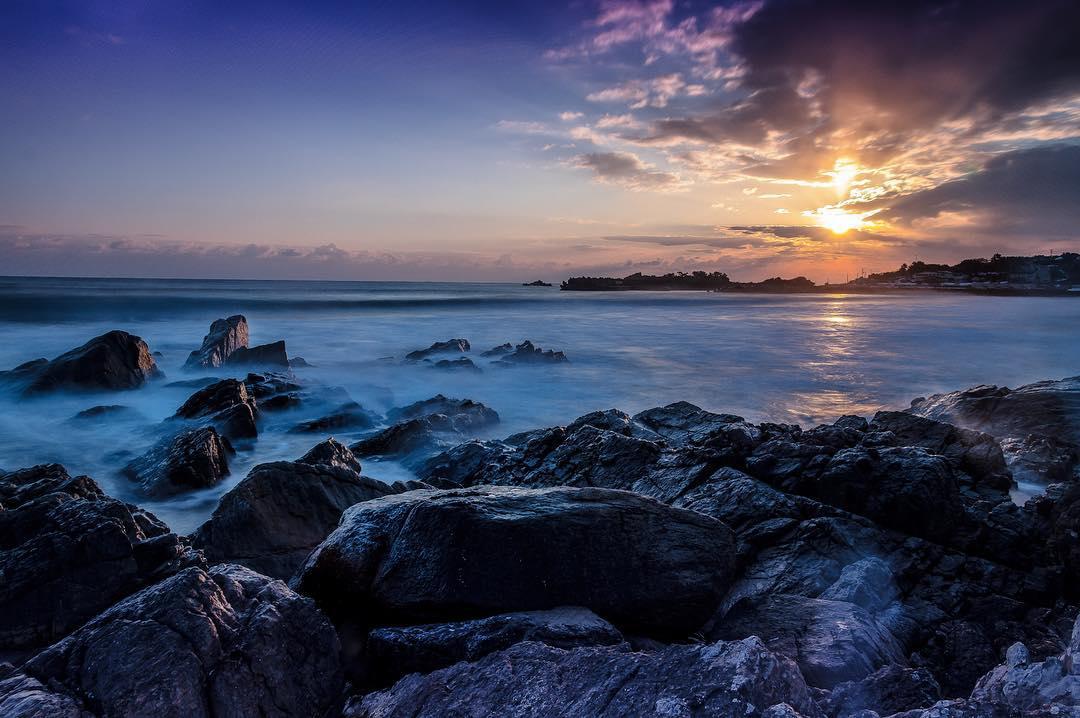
(656, 92)
(627, 170)
(1024, 192)
(569, 116)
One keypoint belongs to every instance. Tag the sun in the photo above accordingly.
(837, 220)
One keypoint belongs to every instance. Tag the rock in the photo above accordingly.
(264, 355)
(350, 416)
(440, 404)
(908, 489)
(499, 351)
(68, 551)
(450, 346)
(224, 642)
(24, 697)
(832, 641)
(331, 453)
(226, 405)
(891, 689)
(113, 361)
(193, 459)
(280, 511)
(462, 364)
(107, 411)
(1024, 685)
(196, 383)
(528, 353)
(396, 651)
(223, 339)
(683, 423)
(1042, 460)
(271, 383)
(868, 583)
(299, 363)
(738, 678)
(429, 556)
(973, 452)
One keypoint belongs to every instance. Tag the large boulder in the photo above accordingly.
(529, 680)
(398, 650)
(889, 690)
(224, 338)
(227, 642)
(832, 641)
(226, 405)
(272, 519)
(271, 355)
(427, 556)
(68, 551)
(193, 459)
(112, 361)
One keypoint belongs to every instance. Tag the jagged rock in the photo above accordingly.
(528, 353)
(683, 423)
(24, 697)
(429, 556)
(270, 383)
(115, 360)
(450, 346)
(869, 584)
(68, 551)
(224, 338)
(280, 511)
(462, 364)
(832, 641)
(226, 405)
(226, 642)
(499, 350)
(439, 404)
(908, 489)
(331, 453)
(299, 363)
(193, 459)
(264, 355)
(396, 651)
(1041, 459)
(739, 678)
(347, 416)
(889, 690)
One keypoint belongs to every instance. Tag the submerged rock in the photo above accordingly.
(280, 511)
(106, 412)
(450, 346)
(396, 651)
(193, 459)
(430, 556)
(462, 364)
(349, 415)
(264, 355)
(481, 415)
(418, 433)
(226, 405)
(115, 360)
(68, 551)
(223, 339)
(498, 351)
(224, 642)
(739, 678)
(529, 353)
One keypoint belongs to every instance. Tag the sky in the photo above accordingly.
(501, 141)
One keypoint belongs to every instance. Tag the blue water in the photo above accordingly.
(795, 358)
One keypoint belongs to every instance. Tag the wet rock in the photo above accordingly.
(429, 556)
(738, 678)
(264, 355)
(113, 361)
(196, 383)
(1041, 459)
(396, 651)
(348, 416)
(908, 489)
(223, 339)
(226, 405)
(194, 459)
(24, 697)
(270, 383)
(889, 690)
(462, 364)
(529, 353)
(280, 511)
(683, 423)
(419, 437)
(331, 453)
(299, 363)
(68, 551)
(450, 346)
(498, 351)
(106, 411)
(832, 641)
(439, 404)
(225, 642)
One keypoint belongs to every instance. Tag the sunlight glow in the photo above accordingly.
(843, 173)
(837, 220)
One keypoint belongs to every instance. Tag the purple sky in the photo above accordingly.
(502, 141)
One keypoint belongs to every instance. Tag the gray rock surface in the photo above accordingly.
(192, 459)
(113, 361)
(224, 338)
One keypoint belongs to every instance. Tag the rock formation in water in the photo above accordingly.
(193, 459)
(450, 346)
(223, 339)
(113, 361)
(263, 356)
(226, 405)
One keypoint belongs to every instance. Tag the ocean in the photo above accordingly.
(802, 359)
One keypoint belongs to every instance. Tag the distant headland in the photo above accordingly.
(999, 275)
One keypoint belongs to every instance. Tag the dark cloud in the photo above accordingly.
(626, 169)
(1032, 191)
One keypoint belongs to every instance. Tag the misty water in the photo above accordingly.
(802, 359)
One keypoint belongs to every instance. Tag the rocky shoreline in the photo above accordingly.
(676, 562)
